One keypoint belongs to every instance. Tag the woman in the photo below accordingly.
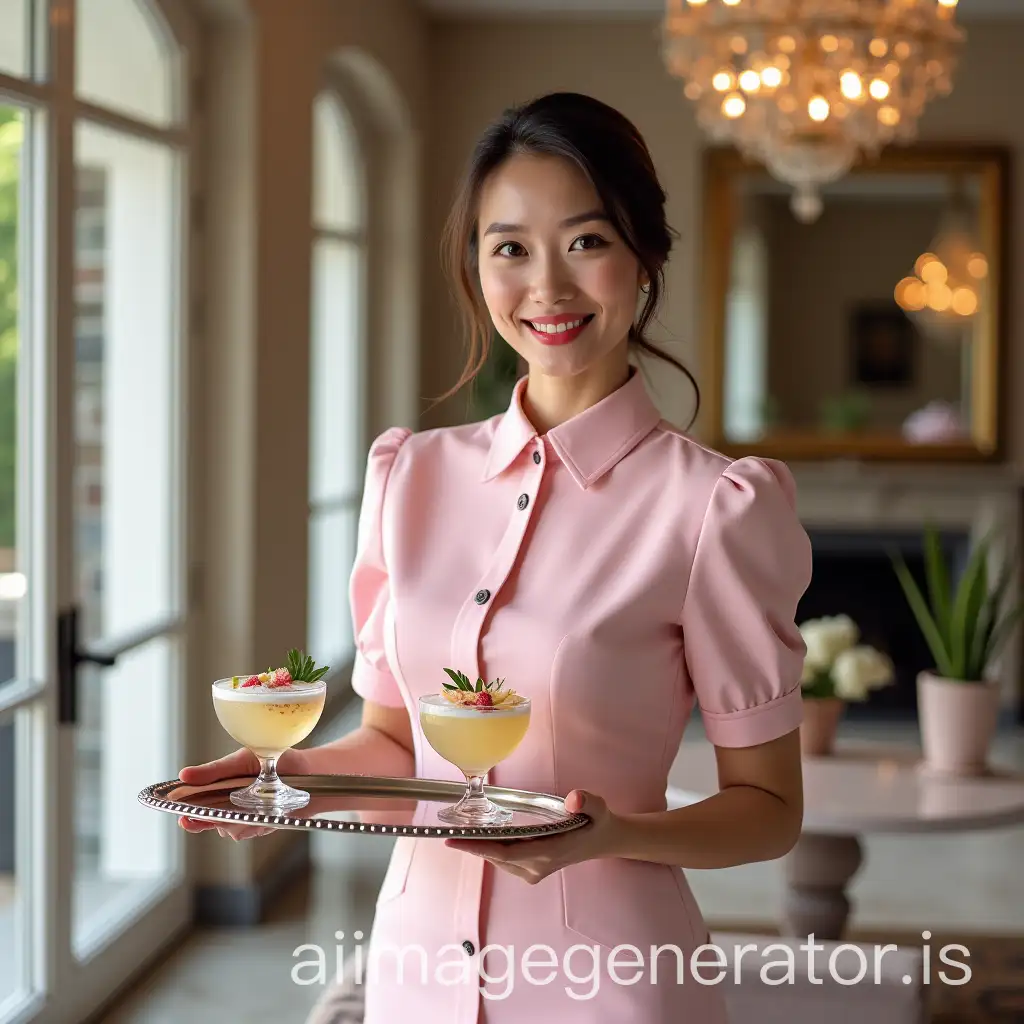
(609, 568)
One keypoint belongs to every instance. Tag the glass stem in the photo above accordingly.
(268, 770)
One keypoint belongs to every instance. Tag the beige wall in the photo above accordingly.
(478, 68)
(263, 66)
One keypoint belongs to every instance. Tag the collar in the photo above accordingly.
(590, 443)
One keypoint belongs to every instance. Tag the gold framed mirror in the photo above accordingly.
(875, 331)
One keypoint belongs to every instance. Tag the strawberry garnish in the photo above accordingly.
(252, 681)
(484, 700)
(281, 677)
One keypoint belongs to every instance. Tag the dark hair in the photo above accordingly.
(607, 147)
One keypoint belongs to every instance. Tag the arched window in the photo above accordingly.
(95, 226)
(338, 374)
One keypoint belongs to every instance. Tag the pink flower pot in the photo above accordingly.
(957, 722)
(820, 725)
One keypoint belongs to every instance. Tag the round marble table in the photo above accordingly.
(863, 789)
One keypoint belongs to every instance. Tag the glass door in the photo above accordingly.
(94, 201)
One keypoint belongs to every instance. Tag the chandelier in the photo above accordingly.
(946, 290)
(806, 87)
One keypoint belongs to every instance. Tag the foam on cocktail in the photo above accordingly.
(224, 690)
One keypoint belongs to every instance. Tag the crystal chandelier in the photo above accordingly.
(807, 86)
(946, 290)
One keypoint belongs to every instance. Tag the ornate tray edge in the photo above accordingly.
(149, 798)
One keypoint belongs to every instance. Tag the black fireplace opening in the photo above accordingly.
(854, 575)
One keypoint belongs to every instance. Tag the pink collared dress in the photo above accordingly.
(616, 572)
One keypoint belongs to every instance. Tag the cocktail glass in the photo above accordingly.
(269, 721)
(474, 739)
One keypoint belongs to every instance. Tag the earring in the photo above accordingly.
(645, 288)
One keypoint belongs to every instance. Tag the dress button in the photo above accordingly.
(524, 500)
(482, 596)
(536, 457)
(468, 947)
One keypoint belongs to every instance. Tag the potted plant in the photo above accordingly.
(965, 628)
(837, 669)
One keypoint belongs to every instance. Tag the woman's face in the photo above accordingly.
(560, 283)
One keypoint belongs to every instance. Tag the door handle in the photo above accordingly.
(69, 657)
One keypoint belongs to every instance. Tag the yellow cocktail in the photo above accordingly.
(269, 718)
(474, 739)
(269, 722)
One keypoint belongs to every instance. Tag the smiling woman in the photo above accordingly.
(614, 571)
(559, 221)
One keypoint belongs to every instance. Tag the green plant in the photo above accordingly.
(964, 629)
(845, 413)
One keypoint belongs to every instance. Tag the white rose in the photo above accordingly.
(859, 670)
(828, 637)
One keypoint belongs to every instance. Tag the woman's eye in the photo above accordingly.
(502, 249)
(591, 242)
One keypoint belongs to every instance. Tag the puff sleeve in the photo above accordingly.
(743, 650)
(369, 590)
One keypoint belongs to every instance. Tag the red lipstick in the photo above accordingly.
(550, 336)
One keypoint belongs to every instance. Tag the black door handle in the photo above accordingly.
(69, 657)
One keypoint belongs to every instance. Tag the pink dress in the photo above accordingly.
(616, 572)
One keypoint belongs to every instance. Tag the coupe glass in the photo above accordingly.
(474, 739)
(269, 722)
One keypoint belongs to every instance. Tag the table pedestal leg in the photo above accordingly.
(818, 870)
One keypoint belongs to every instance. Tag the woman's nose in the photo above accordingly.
(551, 282)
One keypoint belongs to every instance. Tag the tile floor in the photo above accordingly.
(906, 884)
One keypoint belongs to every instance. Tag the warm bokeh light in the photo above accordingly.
(818, 108)
(733, 106)
(849, 75)
(922, 261)
(750, 81)
(965, 301)
(851, 85)
(940, 297)
(934, 272)
(977, 266)
(910, 294)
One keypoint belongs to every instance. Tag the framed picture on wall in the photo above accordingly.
(883, 346)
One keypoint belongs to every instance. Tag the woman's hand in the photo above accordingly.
(241, 763)
(535, 859)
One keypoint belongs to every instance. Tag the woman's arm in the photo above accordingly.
(382, 745)
(756, 815)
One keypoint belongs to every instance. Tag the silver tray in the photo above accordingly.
(371, 804)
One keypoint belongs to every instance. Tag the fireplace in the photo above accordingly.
(853, 575)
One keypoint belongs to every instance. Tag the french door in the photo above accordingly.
(94, 496)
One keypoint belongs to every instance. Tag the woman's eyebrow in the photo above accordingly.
(569, 222)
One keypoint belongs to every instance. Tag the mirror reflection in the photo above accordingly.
(875, 322)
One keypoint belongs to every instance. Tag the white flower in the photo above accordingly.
(859, 670)
(826, 638)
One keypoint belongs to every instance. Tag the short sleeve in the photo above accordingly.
(743, 650)
(369, 590)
